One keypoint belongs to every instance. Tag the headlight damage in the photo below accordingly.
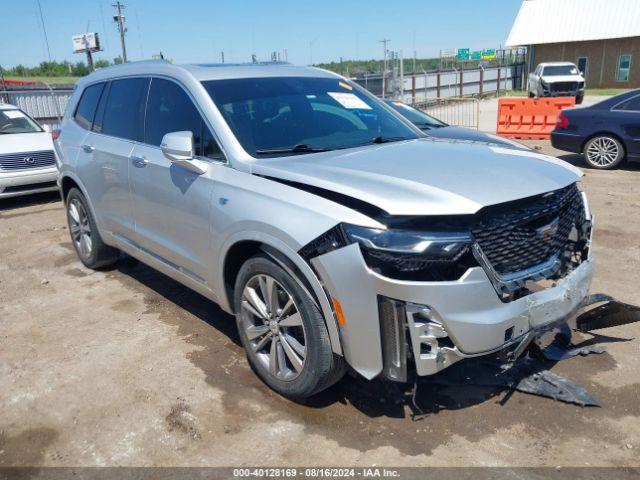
(402, 254)
(541, 237)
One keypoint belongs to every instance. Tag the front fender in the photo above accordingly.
(281, 253)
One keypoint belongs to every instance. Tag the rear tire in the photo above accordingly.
(91, 250)
(603, 152)
(531, 95)
(283, 332)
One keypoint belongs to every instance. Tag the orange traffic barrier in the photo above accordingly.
(530, 118)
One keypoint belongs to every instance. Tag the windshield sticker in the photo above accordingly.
(344, 85)
(349, 100)
(13, 114)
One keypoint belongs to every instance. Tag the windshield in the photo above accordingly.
(415, 116)
(298, 115)
(15, 121)
(560, 70)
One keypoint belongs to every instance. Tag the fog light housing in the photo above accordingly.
(393, 334)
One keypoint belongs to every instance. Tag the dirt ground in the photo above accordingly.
(127, 367)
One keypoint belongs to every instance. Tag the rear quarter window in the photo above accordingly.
(86, 110)
(631, 105)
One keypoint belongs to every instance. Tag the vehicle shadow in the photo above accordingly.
(576, 160)
(181, 296)
(450, 389)
(467, 383)
(12, 203)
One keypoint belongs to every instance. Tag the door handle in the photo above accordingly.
(139, 160)
(88, 148)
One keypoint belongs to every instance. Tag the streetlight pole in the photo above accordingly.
(119, 19)
(384, 42)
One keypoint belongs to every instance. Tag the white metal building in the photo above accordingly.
(601, 36)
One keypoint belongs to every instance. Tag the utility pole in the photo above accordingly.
(222, 56)
(119, 19)
(384, 42)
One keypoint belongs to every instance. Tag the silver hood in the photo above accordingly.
(426, 176)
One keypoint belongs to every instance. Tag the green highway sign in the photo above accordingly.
(463, 54)
(476, 55)
(489, 54)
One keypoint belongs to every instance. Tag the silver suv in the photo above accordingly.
(332, 228)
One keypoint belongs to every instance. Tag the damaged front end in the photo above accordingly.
(532, 252)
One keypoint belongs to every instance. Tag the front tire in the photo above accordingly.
(579, 99)
(603, 152)
(91, 250)
(283, 331)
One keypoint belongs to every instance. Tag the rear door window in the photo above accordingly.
(86, 110)
(124, 110)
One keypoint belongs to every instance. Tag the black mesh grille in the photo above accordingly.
(26, 160)
(531, 232)
(564, 86)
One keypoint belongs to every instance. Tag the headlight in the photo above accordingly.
(433, 245)
(401, 254)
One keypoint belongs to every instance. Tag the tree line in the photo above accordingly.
(58, 69)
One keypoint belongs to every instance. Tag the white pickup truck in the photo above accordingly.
(556, 79)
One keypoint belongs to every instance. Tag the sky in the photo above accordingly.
(310, 31)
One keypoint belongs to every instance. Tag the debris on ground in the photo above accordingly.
(530, 373)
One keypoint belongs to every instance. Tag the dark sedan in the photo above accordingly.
(438, 129)
(606, 133)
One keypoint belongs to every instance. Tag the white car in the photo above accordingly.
(557, 79)
(27, 159)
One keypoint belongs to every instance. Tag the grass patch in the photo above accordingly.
(512, 93)
(605, 91)
(50, 80)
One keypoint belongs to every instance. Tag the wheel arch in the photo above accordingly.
(243, 246)
(69, 180)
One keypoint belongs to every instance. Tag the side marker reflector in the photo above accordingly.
(339, 313)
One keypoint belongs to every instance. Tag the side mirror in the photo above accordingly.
(46, 128)
(178, 147)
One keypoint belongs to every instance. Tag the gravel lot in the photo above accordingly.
(127, 367)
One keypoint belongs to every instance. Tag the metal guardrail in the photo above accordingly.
(44, 103)
(461, 112)
(446, 83)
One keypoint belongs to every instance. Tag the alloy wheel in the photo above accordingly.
(80, 228)
(273, 326)
(603, 151)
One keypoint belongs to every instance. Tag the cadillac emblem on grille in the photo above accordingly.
(28, 160)
(549, 230)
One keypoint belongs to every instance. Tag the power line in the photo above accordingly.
(139, 34)
(44, 30)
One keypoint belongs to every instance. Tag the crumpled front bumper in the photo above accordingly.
(446, 321)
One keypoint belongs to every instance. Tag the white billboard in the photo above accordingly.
(86, 41)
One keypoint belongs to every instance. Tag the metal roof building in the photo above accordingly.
(601, 36)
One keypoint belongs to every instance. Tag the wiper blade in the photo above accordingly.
(381, 139)
(301, 148)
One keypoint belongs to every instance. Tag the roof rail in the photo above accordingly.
(245, 64)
